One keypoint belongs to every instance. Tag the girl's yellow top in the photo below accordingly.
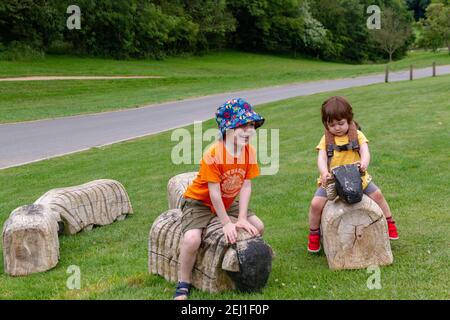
(345, 157)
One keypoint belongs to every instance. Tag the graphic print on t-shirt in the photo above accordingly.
(232, 181)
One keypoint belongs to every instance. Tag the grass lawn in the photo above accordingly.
(407, 124)
(183, 77)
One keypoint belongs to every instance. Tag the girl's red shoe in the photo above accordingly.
(392, 229)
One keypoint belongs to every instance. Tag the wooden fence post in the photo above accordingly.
(386, 76)
(411, 72)
(434, 69)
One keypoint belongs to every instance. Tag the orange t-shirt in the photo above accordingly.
(218, 165)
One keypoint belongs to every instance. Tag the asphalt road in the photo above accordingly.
(27, 142)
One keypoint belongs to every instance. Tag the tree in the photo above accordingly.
(276, 25)
(31, 22)
(436, 28)
(419, 7)
(394, 32)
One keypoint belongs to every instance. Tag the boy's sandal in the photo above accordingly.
(182, 289)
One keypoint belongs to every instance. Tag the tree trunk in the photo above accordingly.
(30, 240)
(355, 236)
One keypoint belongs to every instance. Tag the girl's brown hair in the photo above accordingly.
(336, 108)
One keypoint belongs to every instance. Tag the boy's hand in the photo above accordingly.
(229, 229)
(247, 226)
(325, 177)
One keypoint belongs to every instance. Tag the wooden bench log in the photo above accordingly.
(96, 203)
(30, 240)
(176, 187)
(245, 266)
(355, 236)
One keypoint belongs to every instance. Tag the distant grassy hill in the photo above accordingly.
(183, 77)
(407, 124)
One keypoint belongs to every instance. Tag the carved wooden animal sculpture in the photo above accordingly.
(96, 203)
(245, 266)
(176, 187)
(30, 240)
(30, 235)
(355, 236)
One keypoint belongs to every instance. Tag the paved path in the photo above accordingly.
(37, 140)
(48, 78)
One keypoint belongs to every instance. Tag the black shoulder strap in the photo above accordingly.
(331, 144)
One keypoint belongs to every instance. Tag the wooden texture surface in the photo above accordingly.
(30, 241)
(176, 187)
(96, 203)
(355, 236)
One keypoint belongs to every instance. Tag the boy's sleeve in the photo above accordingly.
(209, 169)
(321, 145)
(362, 138)
(252, 168)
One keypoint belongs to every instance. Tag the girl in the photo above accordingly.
(342, 144)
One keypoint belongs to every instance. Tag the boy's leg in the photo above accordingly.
(233, 211)
(375, 194)
(194, 219)
(188, 253)
(257, 223)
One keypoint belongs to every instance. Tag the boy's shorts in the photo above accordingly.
(371, 188)
(197, 215)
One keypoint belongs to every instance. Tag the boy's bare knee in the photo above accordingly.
(191, 240)
(260, 228)
(257, 223)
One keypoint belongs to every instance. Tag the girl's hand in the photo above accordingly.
(362, 167)
(324, 178)
(247, 226)
(229, 230)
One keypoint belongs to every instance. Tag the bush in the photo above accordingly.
(33, 22)
(19, 51)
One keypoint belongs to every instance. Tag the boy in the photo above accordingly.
(226, 170)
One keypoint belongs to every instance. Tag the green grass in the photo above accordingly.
(184, 77)
(407, 124)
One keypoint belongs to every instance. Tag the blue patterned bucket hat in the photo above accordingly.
(236, 112)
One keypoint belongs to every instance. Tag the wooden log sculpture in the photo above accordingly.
(30, 235)
(176, 187)
(355, 236)
(245, 266)
(30, 240)
(96, 203)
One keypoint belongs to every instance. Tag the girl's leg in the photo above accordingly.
(315, 211)
(378, 197)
